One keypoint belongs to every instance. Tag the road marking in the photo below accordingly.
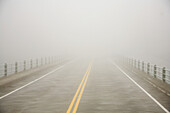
(32, 82)
(168, 94)
(76, 96)
(163, 91)
(160, 105)
(80, 95)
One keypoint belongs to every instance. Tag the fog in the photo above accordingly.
(134, 28)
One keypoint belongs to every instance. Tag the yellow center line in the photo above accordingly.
(80, 95)
(75, 96)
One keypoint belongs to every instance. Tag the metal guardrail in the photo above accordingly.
(13, 68)
(156, 71)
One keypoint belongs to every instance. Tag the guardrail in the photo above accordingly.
(151, 69)
(13, 68)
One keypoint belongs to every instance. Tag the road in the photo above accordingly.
(83, 86)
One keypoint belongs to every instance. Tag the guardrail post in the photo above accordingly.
(56, 58)
(5, 69)
(24, 65)
(155, 71)
(163, 74)
(37, 62)
(16, 67)
(131, 63)
(31, 63)
(143, 64)
(148, 68)
(41, 61)
(49, 60)
(45, 60)
(126, 61)
(52, 59)
(139, 64)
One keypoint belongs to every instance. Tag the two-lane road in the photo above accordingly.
(82, 86)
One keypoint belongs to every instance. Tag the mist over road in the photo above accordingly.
(31, 29)
(89, 31)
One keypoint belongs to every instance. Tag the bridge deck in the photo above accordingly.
(106, 90)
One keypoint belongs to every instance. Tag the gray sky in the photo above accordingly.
(136, 28)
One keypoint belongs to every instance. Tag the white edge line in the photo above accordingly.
(31, 82)
(160, 105)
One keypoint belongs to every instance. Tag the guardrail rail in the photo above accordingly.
(7, 69)
(161, 73)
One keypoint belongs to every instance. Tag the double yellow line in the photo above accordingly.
(79, 93)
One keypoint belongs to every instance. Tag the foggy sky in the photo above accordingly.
(135, 28)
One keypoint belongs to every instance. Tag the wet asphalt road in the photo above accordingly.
(107, 90)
